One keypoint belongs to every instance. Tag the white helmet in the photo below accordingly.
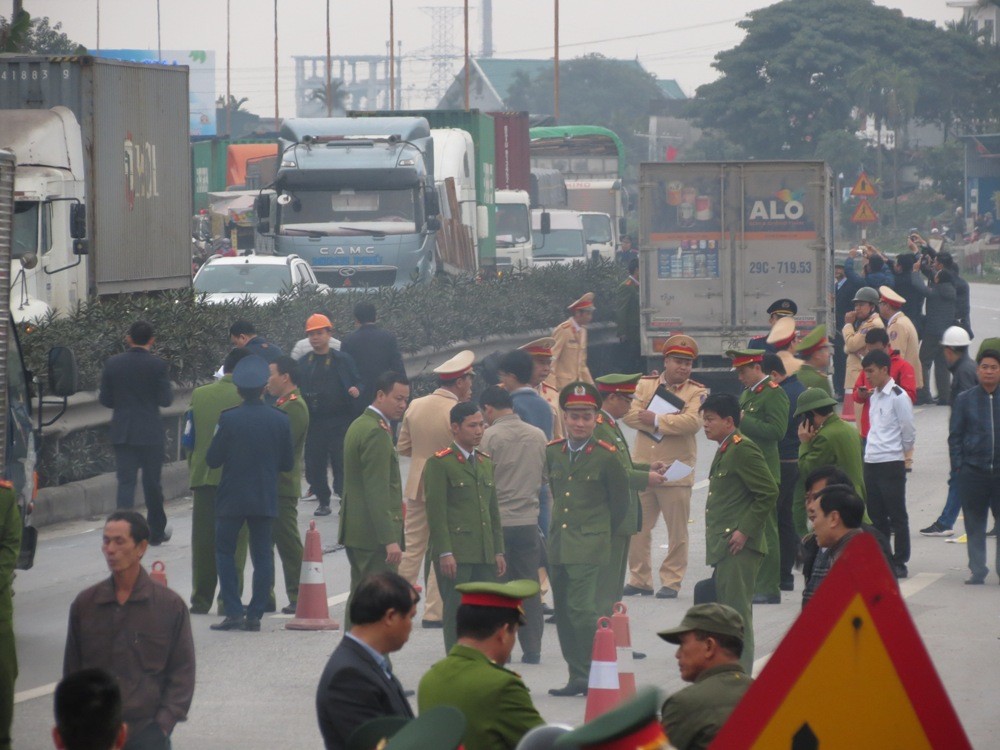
(955, 336)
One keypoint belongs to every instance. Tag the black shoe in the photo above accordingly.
(992, 532)
(158, 539)
(573, 687)
(550, 619)
(975, 581)
(547, 610)
(900, 570)
(766, 599)
(631, 590)
(789, 586)
(270, 608)
(638, 655)
(230, 623)
(198, 610)
(323, 510)
(431, 624)
(252, 625)
(936, 529)
(666, 592)
(289, 610)
(532, 658)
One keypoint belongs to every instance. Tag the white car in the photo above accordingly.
(260, 277)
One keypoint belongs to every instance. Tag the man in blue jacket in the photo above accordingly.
(252, 444)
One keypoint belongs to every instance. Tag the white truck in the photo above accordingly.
(720, 241)
(558, 237)
(514, 235)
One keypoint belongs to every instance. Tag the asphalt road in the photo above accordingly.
(257, 690)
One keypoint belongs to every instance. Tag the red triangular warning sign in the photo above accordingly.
(854, 647)
(864, 213)
(863, 188)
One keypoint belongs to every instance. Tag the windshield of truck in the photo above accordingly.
(512, 224)
(242, 278)
(560, 243)
(597, 228)
(30, 234)
(339, 207)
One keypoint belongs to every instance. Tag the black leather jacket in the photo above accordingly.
(974, 431)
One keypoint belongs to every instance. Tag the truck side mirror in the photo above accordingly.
(262, 208)
(433, 223)
(622, 226)
(546, 220)
(64, 376)
(77, 221)
(431, 203)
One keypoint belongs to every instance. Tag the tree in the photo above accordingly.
(594, 90)
(843, 151)
(338, 94)
(36, 36)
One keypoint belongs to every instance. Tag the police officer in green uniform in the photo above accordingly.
(495, 701)
(371, 514)
(742, 498)
(814, 350)
(10, 548)
(617, 392)
(764, 405)
(207, 403)
(282, 384)
(590, 498)
(627, 318)
(633, 724)
(466, 539)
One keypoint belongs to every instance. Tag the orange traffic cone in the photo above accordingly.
(312, 611)
(602, 688)
(847, 412)
(623, 644)
(159, 573)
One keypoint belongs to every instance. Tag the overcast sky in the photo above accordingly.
(672, 39)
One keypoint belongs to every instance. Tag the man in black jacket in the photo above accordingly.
(843, 293)
(940, 296)
(374, 349)
(357, 684)
(134, 385)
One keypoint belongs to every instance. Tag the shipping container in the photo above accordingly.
(512, 150)
(720, 242)
(133, 120)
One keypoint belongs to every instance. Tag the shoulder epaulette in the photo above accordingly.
(442, 453)
(566, 324)
(737, 439)
(484, 454)
(773, 384)
(600, 419)
(695, 382)
(897, 390)
(557, 441)
(6, 484)
(607, 446)
(550, 387)
(649, 377)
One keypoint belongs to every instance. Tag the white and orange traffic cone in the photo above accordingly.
(603, 689)
(847, 411)
(312, 611)
(158, 572)
(623, 646)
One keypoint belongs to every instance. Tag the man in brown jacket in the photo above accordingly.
(137, 630)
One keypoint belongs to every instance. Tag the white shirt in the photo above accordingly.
(892, 432)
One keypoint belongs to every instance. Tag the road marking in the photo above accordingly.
(908, 587)
(38, 692)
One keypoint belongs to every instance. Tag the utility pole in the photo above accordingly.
(159, 48)
(392, 55)
(466, 19)
(276, 120)
(329, 72)
(229, 90)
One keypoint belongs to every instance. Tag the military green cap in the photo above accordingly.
(369, 735)
(633, 724)
(711, 618)
(812, 341)
(742, 357)
(507, 595)
(438, 728)
(579, 394)
(993, 344)
(813, 398)
(617, 383)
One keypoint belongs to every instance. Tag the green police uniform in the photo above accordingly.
(836, 443)
(590, 499)
(612, 581)
(627, 322)
(371, 513)
(742, 496)
(10, 548)
(207, 403)
(632, 724)
(464, 519)
(810, 377)
(285, 531)
(765, 421)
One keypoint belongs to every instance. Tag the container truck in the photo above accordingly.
(103, 185)
(355, 197)
(720, 241)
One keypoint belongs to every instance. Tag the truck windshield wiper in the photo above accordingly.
(373, 232)
(305, 232)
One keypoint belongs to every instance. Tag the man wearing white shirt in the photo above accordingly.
(891, 435)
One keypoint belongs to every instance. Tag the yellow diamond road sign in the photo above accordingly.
(864, 213)
(863, 188)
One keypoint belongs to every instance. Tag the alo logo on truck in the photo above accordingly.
(784, 211)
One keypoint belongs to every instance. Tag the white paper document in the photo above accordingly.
(676, 471)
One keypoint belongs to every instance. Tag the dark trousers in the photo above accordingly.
(523, 548)
(324, 448)
(129, 459)
(227, 531)
(788, 540)
(980, 492)
(885, 484)
(150, 737)
(839, 365)
(630, 356)
(932, 353)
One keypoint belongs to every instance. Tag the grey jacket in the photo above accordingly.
(940, 310)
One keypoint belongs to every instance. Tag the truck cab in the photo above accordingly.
(513, 228)
(563, 244)
(355, 197)
(599, 233)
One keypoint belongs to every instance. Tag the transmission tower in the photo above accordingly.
(442, 52)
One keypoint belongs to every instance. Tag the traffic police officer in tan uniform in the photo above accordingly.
(782, 339)
(902, 333)
(425, 430)
(569, 352)
(672, 500)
